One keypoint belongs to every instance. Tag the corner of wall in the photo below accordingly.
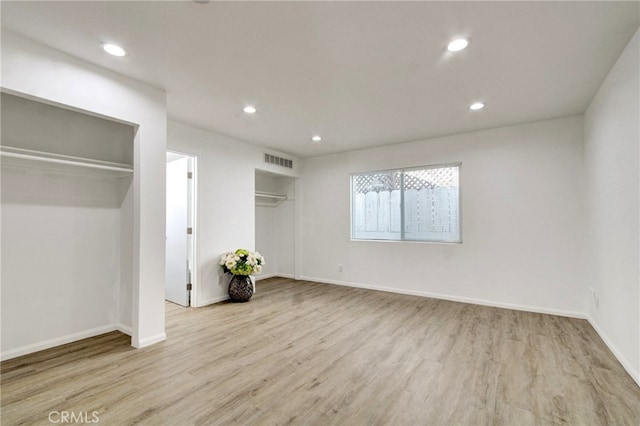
(612, 157)
(635, 374)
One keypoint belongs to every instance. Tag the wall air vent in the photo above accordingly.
(278, 161)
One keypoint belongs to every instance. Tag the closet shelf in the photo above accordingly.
(267, 199)
(19, 157)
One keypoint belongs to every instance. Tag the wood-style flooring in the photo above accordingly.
(315, 354)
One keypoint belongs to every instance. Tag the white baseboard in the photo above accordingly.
(625, 363)
(124, 329)
(141, 343)
(211, 301)
(206, 302)
(517, 307)
(274, 275)
(285, 276)
(265, 276)
(58, 341)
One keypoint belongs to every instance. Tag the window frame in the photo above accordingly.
(402, 171)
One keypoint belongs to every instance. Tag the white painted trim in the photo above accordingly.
(517, 307)
(635, 375)
(149, 341)
(298, 219)
(58, 341)
(274, 275)
(211, 301)
(290, 276)
(194, 222)
(226, 297)
(265, 276)
(125, 329)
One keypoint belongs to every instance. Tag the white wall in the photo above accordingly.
(37, 71)
(285, 226)
(522, 227)
(612, 138)
(265, 239)
(64, 131)
(265, 226)
(125, 301)
(60, 257)
(226, 202)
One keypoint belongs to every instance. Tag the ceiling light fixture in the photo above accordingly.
(457, 45)
(113, 49)
(476, 106)
(316, 138)
(249, 109)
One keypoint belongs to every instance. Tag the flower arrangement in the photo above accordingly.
(242, 262)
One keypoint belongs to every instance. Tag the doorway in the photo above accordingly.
(180, 229)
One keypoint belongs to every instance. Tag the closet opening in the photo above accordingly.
(67, 203)
(275, 200)
(180, 277)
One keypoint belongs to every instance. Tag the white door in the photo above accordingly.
(177, 245)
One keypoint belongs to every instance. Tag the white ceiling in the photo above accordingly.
(358, 73)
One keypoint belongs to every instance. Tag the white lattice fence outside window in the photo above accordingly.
(409, 204)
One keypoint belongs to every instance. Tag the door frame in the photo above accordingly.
(193, 220)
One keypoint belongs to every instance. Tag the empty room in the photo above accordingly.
(320, 212)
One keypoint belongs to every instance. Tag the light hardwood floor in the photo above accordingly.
(316, 354)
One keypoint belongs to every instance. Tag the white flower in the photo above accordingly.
(251, 261)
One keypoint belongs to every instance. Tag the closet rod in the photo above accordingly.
(266, 195)
(16, 150)
(67, 162)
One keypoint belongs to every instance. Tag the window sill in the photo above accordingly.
(406, 241)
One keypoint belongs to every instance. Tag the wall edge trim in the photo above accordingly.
(58, 341)
(211, 301)
(148, 341)
(452, 298)
(635, 375)
(274, 275)
(125, 329)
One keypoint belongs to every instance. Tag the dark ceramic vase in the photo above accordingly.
(240, 288)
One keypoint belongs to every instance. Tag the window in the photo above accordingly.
(416, 204)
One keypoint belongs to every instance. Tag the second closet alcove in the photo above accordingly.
(275, 223)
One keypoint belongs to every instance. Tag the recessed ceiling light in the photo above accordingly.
(113, 49)
(316, 138)
(457, 45)
(249, 109)
(476, 106)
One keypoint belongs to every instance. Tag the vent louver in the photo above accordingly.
(278, 161)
